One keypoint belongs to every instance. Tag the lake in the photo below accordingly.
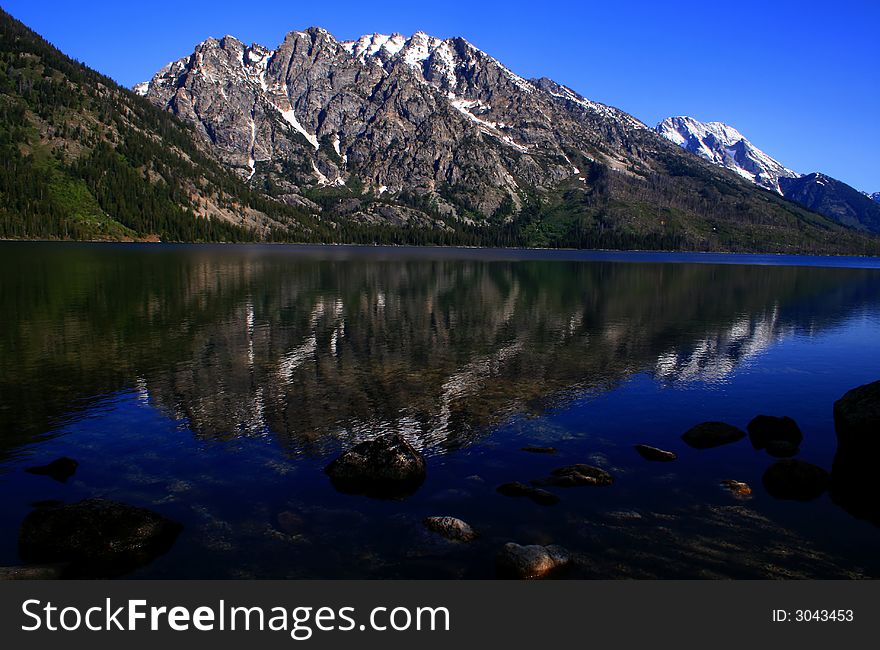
(213, 384)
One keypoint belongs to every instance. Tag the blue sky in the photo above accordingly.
(801, 79)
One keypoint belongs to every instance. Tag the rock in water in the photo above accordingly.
(653, 453)
(780, 436)
(795, 480)
(533, 561)
(539, 450)
(385, 467)
(451, 528)
(712, 434)
(857, 416)
(739, 489)
(854, 474)
(59, 469)
(517, 489)
(96, 538)
(577, 476)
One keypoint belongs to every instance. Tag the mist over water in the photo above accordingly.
(213, 384)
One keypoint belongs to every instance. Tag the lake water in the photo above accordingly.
(212, 384)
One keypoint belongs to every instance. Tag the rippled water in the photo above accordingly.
(212, 384)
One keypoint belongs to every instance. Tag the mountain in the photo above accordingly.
(419, 114)
(875, 196)
(436, 134)
(723, 145)
(385, 139)
(834, 199)
(727, 147)
(84, 158)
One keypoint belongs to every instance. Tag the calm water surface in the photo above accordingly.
(213, 384)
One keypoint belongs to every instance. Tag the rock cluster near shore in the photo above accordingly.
(98, 538)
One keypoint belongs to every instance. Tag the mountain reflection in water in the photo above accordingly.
(314, 350)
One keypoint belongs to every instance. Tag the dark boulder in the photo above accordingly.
(96, 538)
(451, 528)
(712, 434)
(529, 562)
(795, 480)
(577, 476)
(59, 469)
(385, 467)
(855, 486)
(780, 436)
(857, 417)
(517, 489)
(653, 453)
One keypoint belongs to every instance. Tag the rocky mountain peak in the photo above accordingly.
(392, 111)
(723, 145)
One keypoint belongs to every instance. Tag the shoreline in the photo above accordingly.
(515, 253)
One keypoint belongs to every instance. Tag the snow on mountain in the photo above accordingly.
(725, 146)
(875, 196)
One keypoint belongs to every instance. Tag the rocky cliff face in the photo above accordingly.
(724, 145)
(438, 117)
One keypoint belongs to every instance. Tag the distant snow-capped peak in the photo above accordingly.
(725, 146)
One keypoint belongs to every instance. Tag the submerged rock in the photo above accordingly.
(59, 469)
(387, 466)
(539, 450)
(653, 453)
(780, 436)
(96, 538)
(577, 476)
(450, 528)
(712, 434)
(738, 489)
(795, 480)
(517, 489)
(532, 561)
(32, 572)
(781, 449)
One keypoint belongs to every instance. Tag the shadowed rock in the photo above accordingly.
(59, 469)
(450, 528)
(577, 476)
(795, 480)
(539, 450)
(780, 436)
(385, 467)
(857, 416)
(653, 453)
(855, 486)
(96, 538)
(517, 489)
(712, 434)
(528, 562)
